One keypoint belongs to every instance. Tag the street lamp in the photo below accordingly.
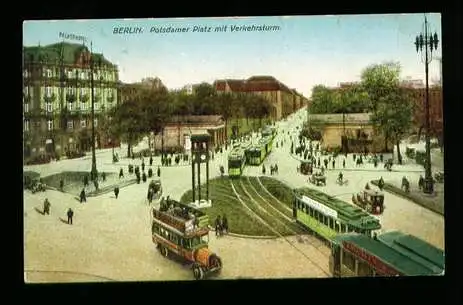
(429, 42)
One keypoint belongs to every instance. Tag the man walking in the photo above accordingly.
(116, 191)
(159, 171)
(46, 207)
(70, 214)
(82, 196)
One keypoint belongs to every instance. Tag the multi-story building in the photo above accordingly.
(57, 97)
(284, 100)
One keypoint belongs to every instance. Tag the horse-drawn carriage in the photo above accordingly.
(306, 167)
(370, 200)
(318, 179)
(156, 188)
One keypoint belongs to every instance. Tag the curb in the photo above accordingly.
(110, 188)
(394, 190)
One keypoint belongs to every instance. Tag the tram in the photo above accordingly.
(389, 254)
(327, 216)
(236, 162)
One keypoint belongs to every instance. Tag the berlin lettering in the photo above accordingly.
(72, 37)
(127, 30)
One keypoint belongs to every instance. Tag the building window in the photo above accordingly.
(82, 91)
(70, 125)
(95, 122)
(83, 123)
(96, 105)
(49, 107)
(69, 73)
(50, 124)
(83, 75)
(26, 73)
(83, 106)
(48, 91)
(70, 106)
(27, 125)
(71, 90)
(49, 73)
(26, 90)
(26, 107)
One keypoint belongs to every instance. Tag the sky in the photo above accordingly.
(299, 51)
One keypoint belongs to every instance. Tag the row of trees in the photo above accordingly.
(379, 93)
(150, 110)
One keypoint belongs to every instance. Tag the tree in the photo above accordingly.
(127, 123)
(322, 100)
(392, 107)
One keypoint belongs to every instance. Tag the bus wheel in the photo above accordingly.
(198, 272)
(164, 251)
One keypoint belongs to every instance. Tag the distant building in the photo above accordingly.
(179, 128)
(412, 83)
(127, 90)
(284, 100)
(357, 128)
(436, 117)
(57, 98)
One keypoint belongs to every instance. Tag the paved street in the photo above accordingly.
(111, 238)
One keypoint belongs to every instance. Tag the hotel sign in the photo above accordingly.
(70, 36)
(372, 260)
(320, 207)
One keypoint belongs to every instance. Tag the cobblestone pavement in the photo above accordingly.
(110, 238)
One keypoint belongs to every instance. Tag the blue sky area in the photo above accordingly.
(305, 51)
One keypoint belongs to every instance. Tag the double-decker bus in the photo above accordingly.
(236, 162)
(327, 216)
(182, 230)
(389, 254)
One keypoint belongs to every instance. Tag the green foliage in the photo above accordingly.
(352, 99)
(420, 157)
(410, 152)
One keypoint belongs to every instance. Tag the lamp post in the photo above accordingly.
(94, 171)
(429, 42)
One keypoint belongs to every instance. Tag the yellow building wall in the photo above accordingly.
(331, 135)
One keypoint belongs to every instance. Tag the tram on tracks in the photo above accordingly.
(389, 254)
(236, 162)
(182, 230)
(256, 154)
(327, 216)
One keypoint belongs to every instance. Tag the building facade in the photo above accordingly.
(179, 128)
(57, 98)
(284, 100)
(356, 127)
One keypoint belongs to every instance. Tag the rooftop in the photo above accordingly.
(337, 118)
(257, 83)
(388, 255)
(68, 52)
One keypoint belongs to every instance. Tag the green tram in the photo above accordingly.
(327, 216)
(256, 154)
(389, 254)
(236, 162)
(269, 131)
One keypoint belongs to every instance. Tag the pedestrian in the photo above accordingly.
(103, 176)
(218, 225)
(116, 191)
(150, 194)
(151, 160)
(85, 180)
(263, 169)
(159, 171)
(143, 166)
(121, 173)
(224, 224)
(70, 214)
(344, 163)
(334, 163)
(61, 185)
(82, 196)
(95, 183)
(46, 207)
